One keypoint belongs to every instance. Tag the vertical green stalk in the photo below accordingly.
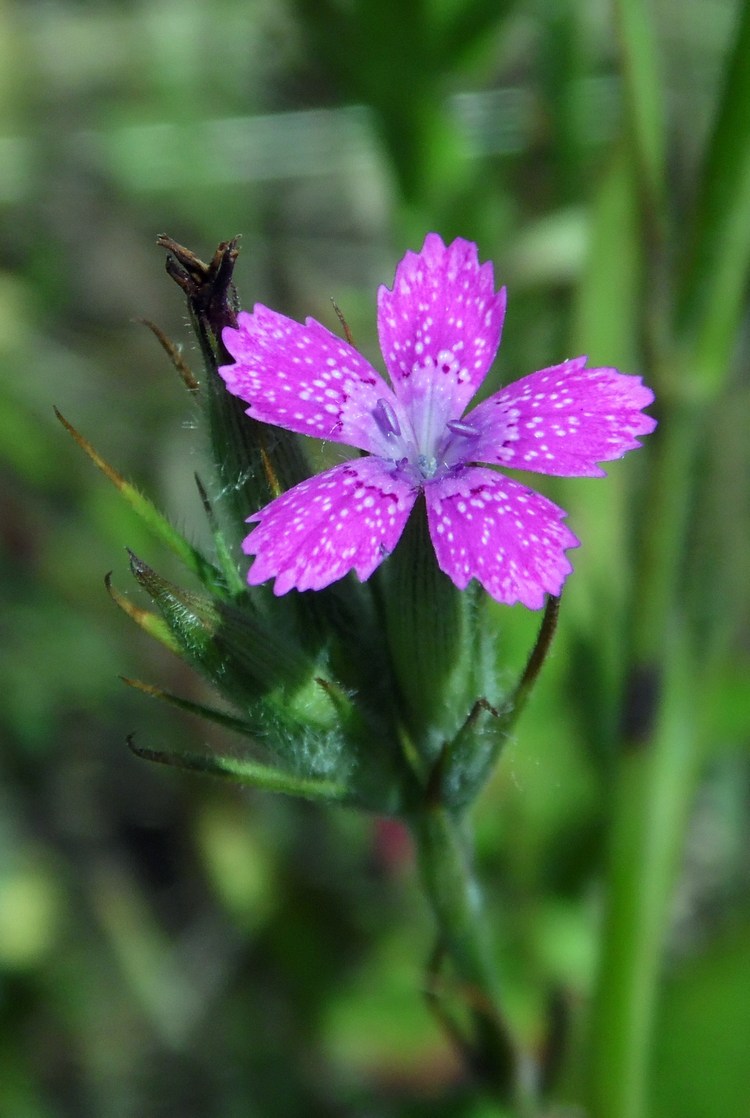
(657, 769)
(653, 792)
(444, 856)
(712, 295)
(664, 531)
(646, 133)
(655, 773)
(643, 100)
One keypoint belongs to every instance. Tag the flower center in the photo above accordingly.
(438, 451)
(427, 466)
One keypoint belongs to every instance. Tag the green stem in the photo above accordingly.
(445, 863)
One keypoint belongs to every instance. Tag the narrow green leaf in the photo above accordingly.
(609, 319)
(643, 97)
(534, 664)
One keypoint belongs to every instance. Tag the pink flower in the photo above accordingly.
(439, 330)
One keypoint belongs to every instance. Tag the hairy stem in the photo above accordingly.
(445, 862)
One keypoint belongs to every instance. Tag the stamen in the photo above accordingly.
(386, 418)
(458, 427)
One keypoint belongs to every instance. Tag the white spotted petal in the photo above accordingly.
(348, 518)
(439, 329)
(511, 539)
(304, 378)
(562, 420)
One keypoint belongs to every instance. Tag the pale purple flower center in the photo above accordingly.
(427, 443)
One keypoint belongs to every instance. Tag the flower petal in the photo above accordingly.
(562, 420)
(348, 518)
(439, 330)
(304, 378)
(511, 539)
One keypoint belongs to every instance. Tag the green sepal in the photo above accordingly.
(227, 564)
(243, 655)
(467, 761)
(249, 771)
(193, 560)
(253, 462)
(151, 623)
(200, 710)
(287, 700)
(252, 773)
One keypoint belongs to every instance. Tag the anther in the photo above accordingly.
(458, 427)
(386, 418)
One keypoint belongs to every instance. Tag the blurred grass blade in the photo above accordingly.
(607, 301)
(148, 512)
(712, 298)
(643, 96)
(655, 785)
(607, 326)
(464, 27)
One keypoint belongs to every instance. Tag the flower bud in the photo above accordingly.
(288, 699)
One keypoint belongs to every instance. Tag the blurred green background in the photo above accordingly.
(172, 947)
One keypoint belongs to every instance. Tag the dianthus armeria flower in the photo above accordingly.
(439, 329)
